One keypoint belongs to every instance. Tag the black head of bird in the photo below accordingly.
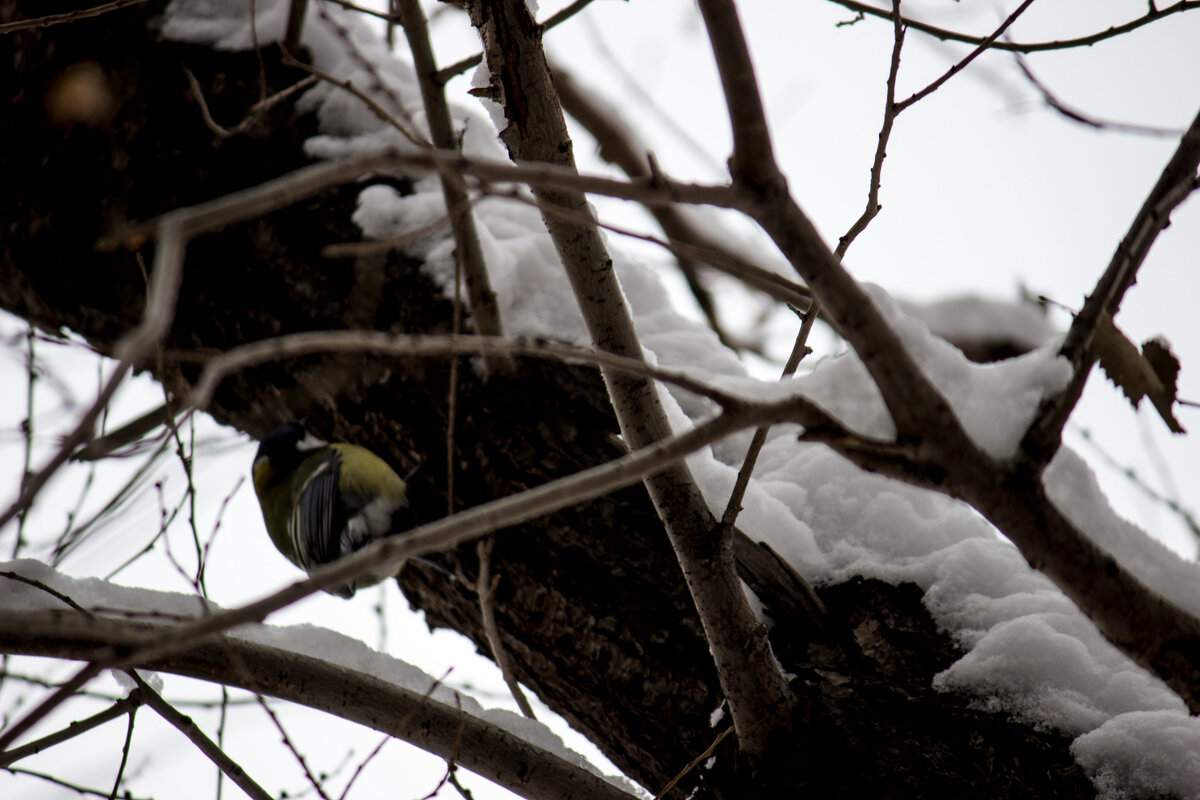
(322, 501)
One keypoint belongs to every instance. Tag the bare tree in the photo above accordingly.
(179, 242)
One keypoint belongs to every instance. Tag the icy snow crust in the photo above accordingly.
(1031, 653)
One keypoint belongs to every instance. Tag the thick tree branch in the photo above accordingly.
(482, 747)
(758, 695)
(484, 312)
(933, 449)
(619, 146)
(917, 408)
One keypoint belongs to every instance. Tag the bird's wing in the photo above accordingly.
(312, 525)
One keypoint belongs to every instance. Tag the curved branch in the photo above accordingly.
(944, 34)
(482, 747)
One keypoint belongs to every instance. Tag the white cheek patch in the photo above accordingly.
(375, 516)
(373, 521)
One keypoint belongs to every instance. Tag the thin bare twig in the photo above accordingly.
(378, 85)
(217, 368)
(290, 745)
(712, 255)
(130, 350)
(104, 446)
(885, 132)
(370, 12)
(485, 587)
(458, 67)
(74, 787)
(799, 350)
(1052, 101)
(205, 745)
(124, 753)
(376, 246)
(57, 595)
(1153, 15)
(56, 19)
(452, 392)
(987, 43)
(118, 709)
(255, 112)
(407, 131)
(695, 762)
(31, 376)
(1171, 503)
(258, 54)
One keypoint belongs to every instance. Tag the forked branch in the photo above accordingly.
(937, 451)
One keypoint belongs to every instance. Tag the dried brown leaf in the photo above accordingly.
(1123, 363)
(1158, 355)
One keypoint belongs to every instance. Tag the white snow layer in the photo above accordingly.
(107, 599)
(1030, 651)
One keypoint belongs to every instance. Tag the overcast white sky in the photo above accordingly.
(984, 191)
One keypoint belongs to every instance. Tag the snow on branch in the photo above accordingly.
(306, 665)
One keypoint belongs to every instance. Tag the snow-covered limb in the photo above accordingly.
(933, 448)
(1027, 650)
(306, 665)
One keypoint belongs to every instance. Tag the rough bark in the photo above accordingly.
(591, 603)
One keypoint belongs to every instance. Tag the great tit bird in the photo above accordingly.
(323, 501)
